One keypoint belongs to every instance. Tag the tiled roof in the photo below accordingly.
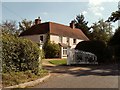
(55, 29)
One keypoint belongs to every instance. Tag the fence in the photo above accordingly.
(80, 57)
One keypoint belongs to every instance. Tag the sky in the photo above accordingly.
(59, 11)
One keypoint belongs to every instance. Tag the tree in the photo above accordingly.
(51, 49)
(9, 27)
(101, 31)
(25, 24)
(115, 40)
(82, 24)
(114, 16)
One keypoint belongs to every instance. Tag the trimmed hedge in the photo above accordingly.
(19, 54)
(99, 48)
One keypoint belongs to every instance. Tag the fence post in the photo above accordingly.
(68, 56)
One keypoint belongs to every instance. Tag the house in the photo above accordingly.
(65, 36)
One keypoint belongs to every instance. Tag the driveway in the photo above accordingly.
(82, 76)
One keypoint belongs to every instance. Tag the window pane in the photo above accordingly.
(41, 38)
(60, 39)
(74, 41)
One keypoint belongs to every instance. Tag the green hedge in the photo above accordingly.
(99, 48)
(51, 50)
(19, 54)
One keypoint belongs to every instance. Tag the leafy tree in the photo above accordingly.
(25, 24)
(114, 16)
(51, 49)
(82, 24)
(9, 27)
(115, 40)
(101, 31)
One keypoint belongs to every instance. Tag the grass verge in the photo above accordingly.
(14, 78)
(58, 62)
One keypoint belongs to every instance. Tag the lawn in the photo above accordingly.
(58, 62)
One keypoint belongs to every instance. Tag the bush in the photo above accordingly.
(19, 54)
(97, 47)
(51, 50)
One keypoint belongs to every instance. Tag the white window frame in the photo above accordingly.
(64, 51)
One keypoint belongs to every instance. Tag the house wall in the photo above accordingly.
(35, 38)
(55, 39)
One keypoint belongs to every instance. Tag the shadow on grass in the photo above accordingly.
(86, 70)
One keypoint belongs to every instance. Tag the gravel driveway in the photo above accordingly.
(82, 76)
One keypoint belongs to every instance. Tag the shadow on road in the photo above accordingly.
(86, 70)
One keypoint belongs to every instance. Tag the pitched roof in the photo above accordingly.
(55, 29)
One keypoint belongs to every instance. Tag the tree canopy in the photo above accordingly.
(25, 24)
(82, 24)
(101, 30)
(114, 16)
(9, 27)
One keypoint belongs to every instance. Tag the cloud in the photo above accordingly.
(84, 12)
(96, 7)
(95, 3)
(44, 13)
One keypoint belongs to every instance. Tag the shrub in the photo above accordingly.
(19, 54)
(51, 50)
(97, 47)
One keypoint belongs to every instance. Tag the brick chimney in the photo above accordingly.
(37, 21)
(72, 24)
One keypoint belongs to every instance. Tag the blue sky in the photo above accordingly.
(59, 12)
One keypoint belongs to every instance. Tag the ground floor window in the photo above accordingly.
(64, 51)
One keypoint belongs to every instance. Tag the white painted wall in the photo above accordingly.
(55, 38)
(35, 38)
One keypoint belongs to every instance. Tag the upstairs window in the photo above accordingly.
(74, 41)
(68, 40)
(41, 38)
(60, 39)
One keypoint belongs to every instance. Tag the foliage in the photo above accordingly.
(9, 27)
(101, 31)
(115, 43)
(58, 62)
(25, 24)
(115, 40)
(114, 16)
(19, 54)
(96, 47)
(14, 78)
(82, 24)
(51, 50)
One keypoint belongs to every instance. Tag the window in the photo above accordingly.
(74, 41)
(41, 38)
(64, 51)
(60, 39)
(68, 40)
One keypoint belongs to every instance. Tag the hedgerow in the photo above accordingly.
(19, 54)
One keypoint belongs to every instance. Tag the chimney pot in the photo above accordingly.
(37, 21)
(72, 24)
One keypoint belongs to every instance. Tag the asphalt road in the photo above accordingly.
(81, 77)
